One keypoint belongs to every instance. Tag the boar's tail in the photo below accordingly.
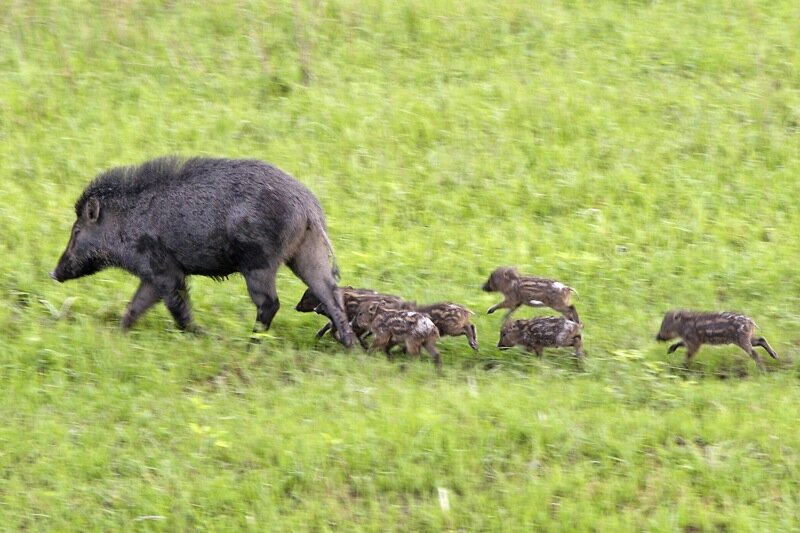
(316, 222)
(335, 265)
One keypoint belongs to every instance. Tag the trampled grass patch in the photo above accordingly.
(645, 153)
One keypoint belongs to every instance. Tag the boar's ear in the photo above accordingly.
(91, 211)
(373, 307)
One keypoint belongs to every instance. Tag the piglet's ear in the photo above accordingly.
(509, 273)
(91, 211)
(372, 307)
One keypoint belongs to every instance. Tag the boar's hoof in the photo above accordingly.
(194, 330)
(346, 339)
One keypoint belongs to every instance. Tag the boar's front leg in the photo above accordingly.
(145, 297)
(158, 268)
(176, 297)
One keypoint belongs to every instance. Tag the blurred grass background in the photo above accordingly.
(645, 153)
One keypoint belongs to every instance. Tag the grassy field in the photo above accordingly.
(645, 153)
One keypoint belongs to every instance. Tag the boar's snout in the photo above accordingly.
(61, 272)
(486, 287)
(65, 269)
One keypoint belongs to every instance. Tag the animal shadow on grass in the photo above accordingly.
(725, 367)
(232, 376)
(517, 360)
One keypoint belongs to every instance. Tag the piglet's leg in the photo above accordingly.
(323, 330)
(691, 351)
(362, 339)
(505, 304)
(577, 343)
(676, 346)
(761, 341)
(748, 348)
(430, 346)
(379, 342)
(472, 336)
(388, 351)
(413, 346)
(572, 314)
(511, 310)
(495, 307)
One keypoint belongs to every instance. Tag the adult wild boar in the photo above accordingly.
(170, 218)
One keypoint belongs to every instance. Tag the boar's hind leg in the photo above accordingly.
(143, 299)
(310, 264)
(261, 286)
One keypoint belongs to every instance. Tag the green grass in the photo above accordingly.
(646, 153)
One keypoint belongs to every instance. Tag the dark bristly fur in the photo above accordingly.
(351, 298)
(452, 320)
(170, 218)
(543, 332)
(529, 290)
(394, 326)
(695, 329)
